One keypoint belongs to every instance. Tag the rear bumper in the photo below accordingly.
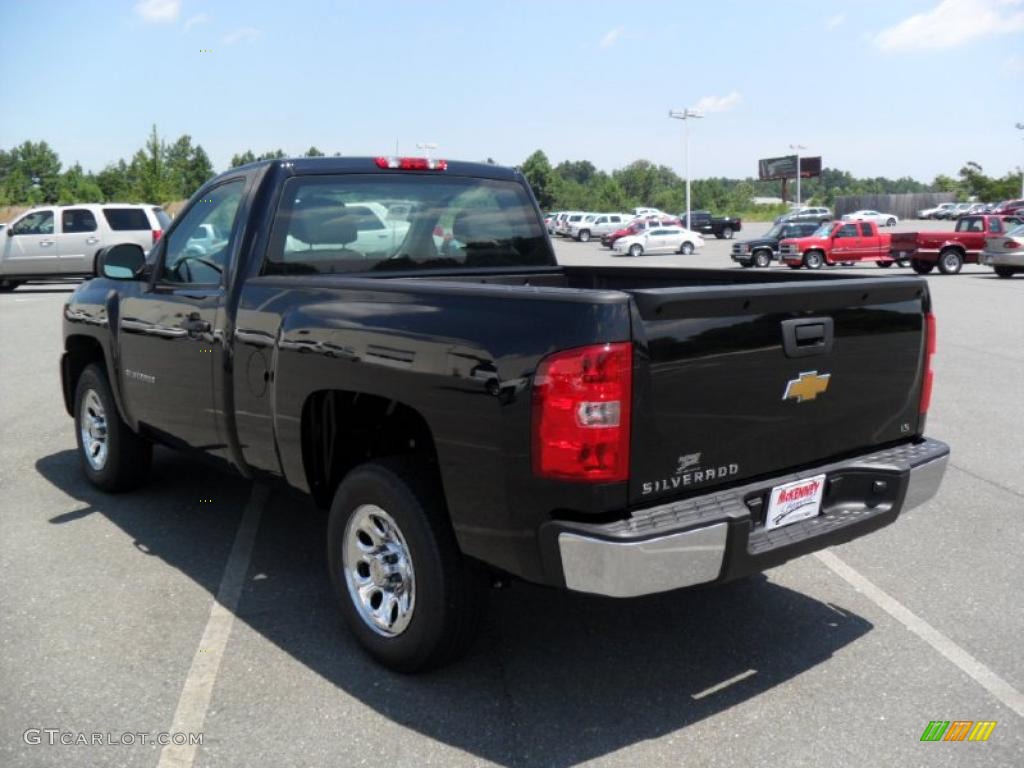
(1012, 259)
(719, 536)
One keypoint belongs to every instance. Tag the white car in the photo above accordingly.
(643, 212)
(1005, 253)
(597, 224)
(54, 241)
(660, 240)
(881, 219)
(933, 213)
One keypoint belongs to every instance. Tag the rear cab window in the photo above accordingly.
(126, 219)
(330, 224)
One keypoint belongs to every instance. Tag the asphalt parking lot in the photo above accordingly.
(108, 617)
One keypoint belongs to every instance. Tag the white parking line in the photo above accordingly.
(981, 674)
(195, 695)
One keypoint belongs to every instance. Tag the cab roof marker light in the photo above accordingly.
(411, 163)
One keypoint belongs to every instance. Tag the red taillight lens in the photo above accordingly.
(581, 413)
(1011, 244)
(411, 163)
(157, 234)
(929, 376)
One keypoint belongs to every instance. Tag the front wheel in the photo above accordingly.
(951, 261)
(891, 223)
(636, 250)
(9, 285)
(686, 249)
(762, 259)
(585, 236)
(112, 456)
(813, 260)
(921, 267)
(406, 591)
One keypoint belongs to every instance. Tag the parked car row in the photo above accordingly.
(59, 241)
(953, 211)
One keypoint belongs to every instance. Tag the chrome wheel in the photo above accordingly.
(94, 430)
(378, 571)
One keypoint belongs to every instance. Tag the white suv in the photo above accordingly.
(597, 224)
(62, 240)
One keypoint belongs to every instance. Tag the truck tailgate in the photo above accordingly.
(736, 382)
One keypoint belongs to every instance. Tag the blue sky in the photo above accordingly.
(894, 87)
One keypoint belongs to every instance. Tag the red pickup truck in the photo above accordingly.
(950, 250)
(838, 242)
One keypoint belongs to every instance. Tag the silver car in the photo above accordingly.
(1005, 253)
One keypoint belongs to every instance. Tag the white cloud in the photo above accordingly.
(242, 35)
(1013, 65)
(158, 11)
(610, 39)
(834, 21)
(718, 103)
(952, 23)
(199, 18)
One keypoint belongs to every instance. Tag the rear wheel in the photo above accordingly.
(813, 260)
(951, 261)
(762, 259)
(9, 285)
(112, 456)
(636, 250)
(406, 591)
(727, 233)
(1005, 271)
(891, 223)
(686, 248)
(585, 236)
(921, 267)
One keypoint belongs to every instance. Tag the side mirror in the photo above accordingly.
(120, 262)
(10, 232)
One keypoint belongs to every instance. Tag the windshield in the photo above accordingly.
(775, 232)
(338, 224)
(824, 230)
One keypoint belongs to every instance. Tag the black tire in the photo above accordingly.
(450, 590)
(686, 248)
(584, 236)
(921, 267)
(891, 223)
(762, 259)
(951, 261)
(1005, 271)
(128, 456)
(884, 264)
(636, 250)
(6, 286)
(727, 233)
(813, 260)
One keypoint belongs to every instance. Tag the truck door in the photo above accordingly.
(870, 244)
(79, 241)
(30, 247)
(169, 340)
(846, 243)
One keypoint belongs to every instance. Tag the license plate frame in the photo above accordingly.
(794, 502)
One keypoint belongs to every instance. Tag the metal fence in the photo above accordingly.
(905, 206)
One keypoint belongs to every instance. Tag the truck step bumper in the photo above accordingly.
(719, 536)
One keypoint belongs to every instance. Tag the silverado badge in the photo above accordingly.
(806, 386)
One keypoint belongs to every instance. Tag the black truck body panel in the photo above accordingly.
(460, 346)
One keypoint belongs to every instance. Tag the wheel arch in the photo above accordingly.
(80, 351)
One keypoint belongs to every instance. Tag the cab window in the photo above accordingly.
(196, 251)
(865, 230)
(847, 230)
(36, 223)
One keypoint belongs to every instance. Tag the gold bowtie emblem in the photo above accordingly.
(807, 386)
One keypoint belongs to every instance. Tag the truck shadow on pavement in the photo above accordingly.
(555, 679)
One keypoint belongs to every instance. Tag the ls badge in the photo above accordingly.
(807, 386)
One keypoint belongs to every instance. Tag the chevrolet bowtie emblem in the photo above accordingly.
(807, 386)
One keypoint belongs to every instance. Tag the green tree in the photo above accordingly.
(537, 170)
(243, 159)
(76, 186)
(31, 174)
(314, 152)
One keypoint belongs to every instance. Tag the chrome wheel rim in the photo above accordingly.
(379, 571)
(94, 430)
(951, 260)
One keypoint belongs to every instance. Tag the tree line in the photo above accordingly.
(162, 171)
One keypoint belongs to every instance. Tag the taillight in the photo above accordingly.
(581, 413)
(157, 234)
(1012, 244)
(411, 163)
(929, 350)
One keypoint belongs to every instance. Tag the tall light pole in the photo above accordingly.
(797, 147)
(1020, 126)
(685, 115)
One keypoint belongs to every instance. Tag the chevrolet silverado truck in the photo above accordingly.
(468, 409)
(722, 227)
(839, 242)
(950, 250)
(762, 250)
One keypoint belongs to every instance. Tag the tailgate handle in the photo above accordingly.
(807, 336)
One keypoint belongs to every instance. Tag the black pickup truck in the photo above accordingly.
(722, 227)
(395, 337)
(762, 250)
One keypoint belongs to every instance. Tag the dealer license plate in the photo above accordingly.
(793, 502)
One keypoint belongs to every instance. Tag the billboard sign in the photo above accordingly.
(785, 167)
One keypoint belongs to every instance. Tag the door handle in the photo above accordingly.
(91, 240)
(195, 325)
(45, 243)
(804, 337)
